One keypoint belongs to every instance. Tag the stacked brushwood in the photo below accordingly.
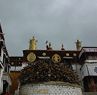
(41, 71)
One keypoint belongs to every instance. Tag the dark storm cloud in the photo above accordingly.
(58, 21)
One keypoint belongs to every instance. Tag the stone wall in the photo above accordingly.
(50, 89)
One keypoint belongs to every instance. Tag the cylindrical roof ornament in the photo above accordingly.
(78, 45)
(33, 44)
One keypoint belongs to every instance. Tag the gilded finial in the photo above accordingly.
(33, 44)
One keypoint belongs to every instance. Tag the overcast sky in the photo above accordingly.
(58, 21)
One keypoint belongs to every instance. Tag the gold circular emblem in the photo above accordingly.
(56, 58)
(31, 57)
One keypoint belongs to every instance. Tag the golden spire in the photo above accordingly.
(78, 45)
(33, 44)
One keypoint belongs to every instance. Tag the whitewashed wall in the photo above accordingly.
(1, 85)
(50, 89)
(89, 69)
(1, 75)
(1, 80)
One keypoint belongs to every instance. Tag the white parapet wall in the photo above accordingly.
(1, 85)
(1, 77)
(1, 81)
(50, 88)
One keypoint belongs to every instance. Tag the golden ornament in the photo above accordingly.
(56, 58)
(31, 57)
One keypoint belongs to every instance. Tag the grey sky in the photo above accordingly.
(58, 21)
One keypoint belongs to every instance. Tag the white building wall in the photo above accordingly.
(1, 71)
(1, 80)
(78, 66)
(89, 69)
(1, 85)
(50, 89)
(1, 57)
(18, 68)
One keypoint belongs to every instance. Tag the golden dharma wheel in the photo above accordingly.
(56, 58)
(31, 57)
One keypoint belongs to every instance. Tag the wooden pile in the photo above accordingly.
(41, 71)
